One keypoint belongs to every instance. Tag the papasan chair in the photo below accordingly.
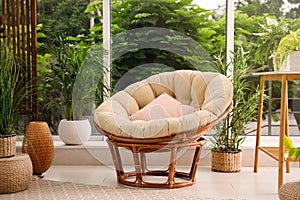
(167, 112)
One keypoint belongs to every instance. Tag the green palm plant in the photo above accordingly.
(65, 63)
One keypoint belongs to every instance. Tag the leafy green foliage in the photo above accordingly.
(244, 108)
(65, 16)
(257, 7)
(269, 40)
(287, 44)
(293, 152)
(181, 16)
(13, 91)
(65, 62)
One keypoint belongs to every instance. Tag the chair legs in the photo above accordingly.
(175, 179)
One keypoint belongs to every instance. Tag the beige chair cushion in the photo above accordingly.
(210, 92)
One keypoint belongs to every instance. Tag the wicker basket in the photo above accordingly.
(38, 143)
(7, 146)
(289, 191)
(226, 162)
(15, 173)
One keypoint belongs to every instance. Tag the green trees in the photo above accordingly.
(259, 8)
(65, 16)
(181, 16)
(252, 31)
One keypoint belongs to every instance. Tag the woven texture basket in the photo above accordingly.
(289, 191)
(7, 146)
(225, 162)
(15, 173)
(38, 143)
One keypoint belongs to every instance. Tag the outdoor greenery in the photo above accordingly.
(230, 132)
(65, 16)
(287, 45)
(255, 32)
(269, 40)
(64, 64)
(180, 16)
(12, 91)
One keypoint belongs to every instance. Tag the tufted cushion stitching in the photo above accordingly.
(217, 99)
(161, 83)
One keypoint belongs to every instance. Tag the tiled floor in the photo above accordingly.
(242, 185)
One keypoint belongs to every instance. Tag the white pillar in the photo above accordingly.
(107, 42)
(229, 31)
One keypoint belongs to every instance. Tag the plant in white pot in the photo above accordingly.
(13, 92)
(65, 63)
(287, 55)
(226, 152)
(268, 41)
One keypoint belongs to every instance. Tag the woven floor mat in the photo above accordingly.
(41, 189)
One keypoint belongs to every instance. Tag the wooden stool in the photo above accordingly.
(15, 173)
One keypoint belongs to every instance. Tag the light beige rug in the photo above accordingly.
(41, 189)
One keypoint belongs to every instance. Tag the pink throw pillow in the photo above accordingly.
(164, 106)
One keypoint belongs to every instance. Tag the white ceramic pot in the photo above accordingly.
(284, 65)
(74, 131)
(295, 61)
(291, 63)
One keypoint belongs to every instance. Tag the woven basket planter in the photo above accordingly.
(7, 146)
(38, 143)
(15, 173)
(226, 162)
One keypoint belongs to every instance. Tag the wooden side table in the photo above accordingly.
(275, 152)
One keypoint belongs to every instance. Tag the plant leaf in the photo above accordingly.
(288, 142)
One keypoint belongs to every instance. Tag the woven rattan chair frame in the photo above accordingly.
(172, 144)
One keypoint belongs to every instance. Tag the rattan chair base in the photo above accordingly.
(139, 152)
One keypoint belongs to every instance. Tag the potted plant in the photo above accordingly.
(65, 63)
(226, 152)
(268, 41)
(287, 55)
(13, 92)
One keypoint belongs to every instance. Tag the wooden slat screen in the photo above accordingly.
(18, 19)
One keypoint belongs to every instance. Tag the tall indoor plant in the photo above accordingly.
(13, 92)
(65, 63)
(226, 142)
